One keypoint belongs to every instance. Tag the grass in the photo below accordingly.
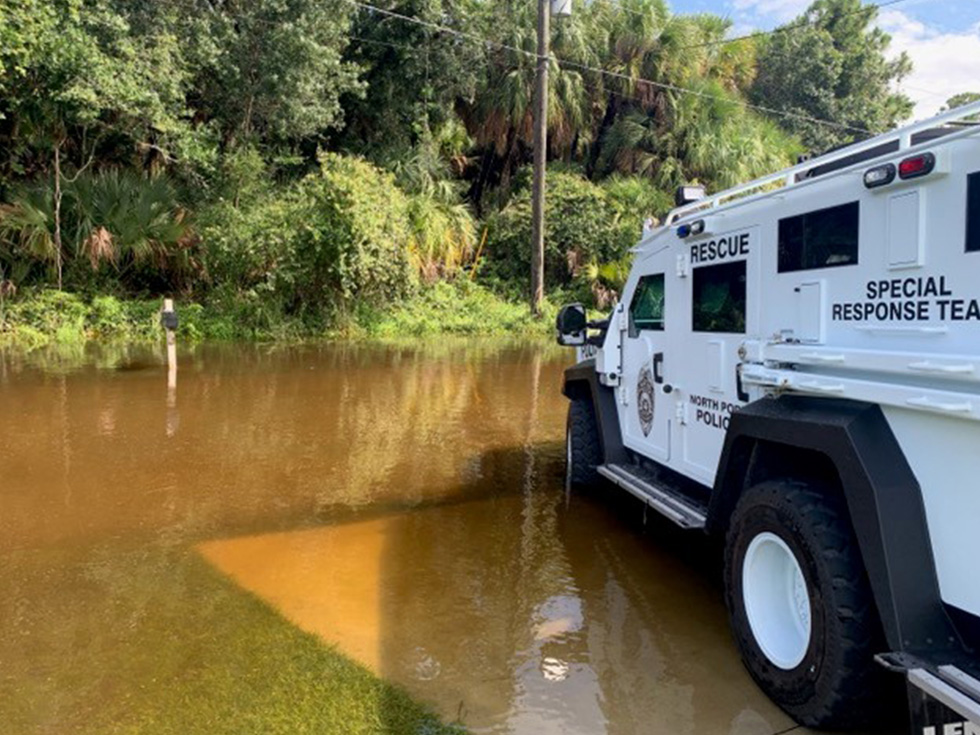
(156, 641)
(49, 317)
(460, 308)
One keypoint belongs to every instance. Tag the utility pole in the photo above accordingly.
(540, 156)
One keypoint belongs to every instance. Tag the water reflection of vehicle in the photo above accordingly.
(516, 612)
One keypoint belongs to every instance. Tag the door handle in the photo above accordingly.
(658, 364)
(740, 391)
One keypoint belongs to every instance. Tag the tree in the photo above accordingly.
(414, 76)
(81, 79)
(961, 99)
(269, 71)
(24, 27)
(830, 64)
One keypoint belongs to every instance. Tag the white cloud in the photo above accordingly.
(944, 64)
(774, 11)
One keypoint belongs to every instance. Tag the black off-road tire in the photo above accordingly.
(583, 453)
(837, 685)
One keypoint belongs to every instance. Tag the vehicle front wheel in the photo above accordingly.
(582, 450)
(800, 605)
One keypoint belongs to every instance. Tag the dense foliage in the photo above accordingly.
(584, 227)
(302, 159)
(833, 67)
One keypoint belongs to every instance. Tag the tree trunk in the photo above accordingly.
(57, 210)
(607, 120)
(540, 158)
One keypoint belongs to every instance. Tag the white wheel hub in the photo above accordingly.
(776, 600)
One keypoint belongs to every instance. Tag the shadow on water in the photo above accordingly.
(513, 607)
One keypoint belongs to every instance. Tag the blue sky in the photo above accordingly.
(941, 36)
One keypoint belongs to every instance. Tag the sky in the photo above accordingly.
(942, 37)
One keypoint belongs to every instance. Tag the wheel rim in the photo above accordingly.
(777, 602)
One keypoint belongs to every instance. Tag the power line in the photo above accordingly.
(607, 73)
(442, 28)
(706, 95)
(787, 28)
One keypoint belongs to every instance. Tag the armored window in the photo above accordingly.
(719, 298)
(647, 306)
(824, 238)
(973, 212)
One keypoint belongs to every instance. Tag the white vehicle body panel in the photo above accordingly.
(899, 327)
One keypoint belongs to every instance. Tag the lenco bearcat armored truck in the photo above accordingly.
(794, 368)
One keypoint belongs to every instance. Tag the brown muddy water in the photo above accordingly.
(404, 504)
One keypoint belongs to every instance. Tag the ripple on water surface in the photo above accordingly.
(403, 504)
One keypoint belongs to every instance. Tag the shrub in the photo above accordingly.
(636, 198)
(443, 235)
(459, 307)
(55, 313)
(106, 315)
(583, 225)
(341, 235)
(118, 228)
(354, 235)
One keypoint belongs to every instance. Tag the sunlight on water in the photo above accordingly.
(325, 580)
(481, 609)
(180, 561)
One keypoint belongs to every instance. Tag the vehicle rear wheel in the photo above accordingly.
(582, 450)
(800, 605)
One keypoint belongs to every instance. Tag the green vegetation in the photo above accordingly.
(459, 307)
(833, 68)
(308, 168)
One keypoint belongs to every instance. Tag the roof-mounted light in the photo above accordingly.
(916, 166)
(691, 228)
(880, 175)
(688, 194)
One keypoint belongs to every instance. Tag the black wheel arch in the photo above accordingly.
(847, 444)
(581, 381)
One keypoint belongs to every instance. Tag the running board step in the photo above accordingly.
(948, 684)
(682, 511)
(952, 687)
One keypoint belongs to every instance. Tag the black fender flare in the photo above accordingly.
(581, 380)
(883, 498)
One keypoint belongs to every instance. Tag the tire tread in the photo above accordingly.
(857, 692)
(583, 434)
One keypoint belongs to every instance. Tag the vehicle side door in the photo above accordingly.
(644, 409)
(718, 288)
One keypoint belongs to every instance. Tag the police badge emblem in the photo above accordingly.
(644, 400)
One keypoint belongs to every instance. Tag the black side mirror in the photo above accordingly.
(571, 325)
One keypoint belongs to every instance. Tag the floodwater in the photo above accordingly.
(403, 504)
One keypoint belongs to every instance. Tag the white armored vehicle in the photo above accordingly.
(794, 368)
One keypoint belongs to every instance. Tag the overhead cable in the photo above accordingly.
(789, 27)
(605, 72)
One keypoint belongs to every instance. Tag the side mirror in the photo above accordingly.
(571, 325)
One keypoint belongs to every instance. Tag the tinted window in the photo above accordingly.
(719, 298)
(821, 239)
(647, 307)
(973, 212)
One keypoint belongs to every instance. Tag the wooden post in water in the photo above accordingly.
(168, 318)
